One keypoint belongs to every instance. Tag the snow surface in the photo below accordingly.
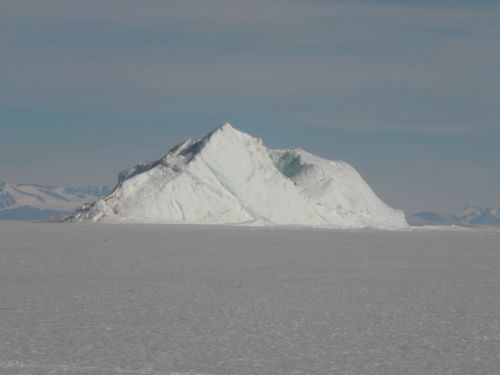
(230, 177)
(183, 299)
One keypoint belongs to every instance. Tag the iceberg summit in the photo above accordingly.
(230, 177)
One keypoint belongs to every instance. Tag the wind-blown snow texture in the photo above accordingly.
(179, 299)
(230, 177)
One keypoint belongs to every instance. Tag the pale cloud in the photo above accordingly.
(373, 82)
(142, 57)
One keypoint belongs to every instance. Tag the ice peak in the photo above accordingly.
(225, 134)
(225, 128)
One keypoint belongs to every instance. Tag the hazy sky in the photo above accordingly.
(406, 91)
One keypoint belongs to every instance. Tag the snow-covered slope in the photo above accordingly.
(30, 201)
(334, 189)
(230, 177)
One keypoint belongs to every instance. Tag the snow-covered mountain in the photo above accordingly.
(469, 216)
(230, 177)
(478, 216)
(34, 202)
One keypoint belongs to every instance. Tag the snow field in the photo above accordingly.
(184, 299)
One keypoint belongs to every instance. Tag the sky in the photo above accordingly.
(408, 92)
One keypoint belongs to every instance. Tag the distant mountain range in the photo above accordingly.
(21, 201)
(37, 202)
(469, 216)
